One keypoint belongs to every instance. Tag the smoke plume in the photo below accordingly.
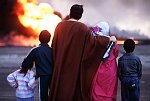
(129, 15)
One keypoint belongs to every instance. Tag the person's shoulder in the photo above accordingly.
(61, 23)
(82, 24)
(40, 46)
(121, 58)
(34, 48)
(134, 56)
(137, 57)
(17, 71)
(78, 23)
(30, 72)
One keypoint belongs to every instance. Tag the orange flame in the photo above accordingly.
(37, 16)
(122, 41)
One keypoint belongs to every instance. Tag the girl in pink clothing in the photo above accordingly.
(104, 85)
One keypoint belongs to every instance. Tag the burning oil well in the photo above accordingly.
(22, 20)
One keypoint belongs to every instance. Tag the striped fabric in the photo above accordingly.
(24, 84)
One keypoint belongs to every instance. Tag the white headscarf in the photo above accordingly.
(102, 28)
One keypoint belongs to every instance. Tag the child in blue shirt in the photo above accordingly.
(42, 57)
(130, 72)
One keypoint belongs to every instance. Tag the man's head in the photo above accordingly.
(129, 45)
(76, 11)
(44, 37)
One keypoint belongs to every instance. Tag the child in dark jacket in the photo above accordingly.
(42, 57)
(130, 72)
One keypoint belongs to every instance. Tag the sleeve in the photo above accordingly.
(96, 45)
(139, 69)
(30, 57)
(101, 41)
(11, 78)
(31, 79)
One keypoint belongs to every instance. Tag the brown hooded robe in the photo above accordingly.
(76, 55)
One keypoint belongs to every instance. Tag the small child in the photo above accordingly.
(104, 85)
(24, 81)
(130, 72)
(42, 57)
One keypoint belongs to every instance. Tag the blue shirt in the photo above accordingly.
(42, 56)
(129, 65)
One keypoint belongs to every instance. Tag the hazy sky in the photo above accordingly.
(130, 15)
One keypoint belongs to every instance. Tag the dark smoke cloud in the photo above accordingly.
(6, 15)
(12, 32)
(9, 21)
(129, 15)
(142, 6)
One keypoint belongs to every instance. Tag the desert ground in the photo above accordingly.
(11, 58)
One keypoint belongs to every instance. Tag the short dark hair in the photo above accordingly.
(129, 45)
(44, 37)
(76, 11)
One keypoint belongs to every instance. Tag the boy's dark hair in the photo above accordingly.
(129, 45)
(76, 11)
(25, 66)
(44, 37)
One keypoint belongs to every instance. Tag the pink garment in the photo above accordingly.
(104, 85)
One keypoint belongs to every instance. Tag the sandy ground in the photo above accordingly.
(11, 58)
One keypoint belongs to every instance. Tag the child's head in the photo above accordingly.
(129, 45)
(102, 28)
(44, 37)
(25, 66)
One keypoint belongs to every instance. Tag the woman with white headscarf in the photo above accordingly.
(104, 85)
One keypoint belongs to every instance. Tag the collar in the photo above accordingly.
(43, 44)
(71, 19)
(129, 53)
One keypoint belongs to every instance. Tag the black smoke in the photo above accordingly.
(128, 15)
(9, 21)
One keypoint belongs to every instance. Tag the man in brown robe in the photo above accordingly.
(76, 55)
